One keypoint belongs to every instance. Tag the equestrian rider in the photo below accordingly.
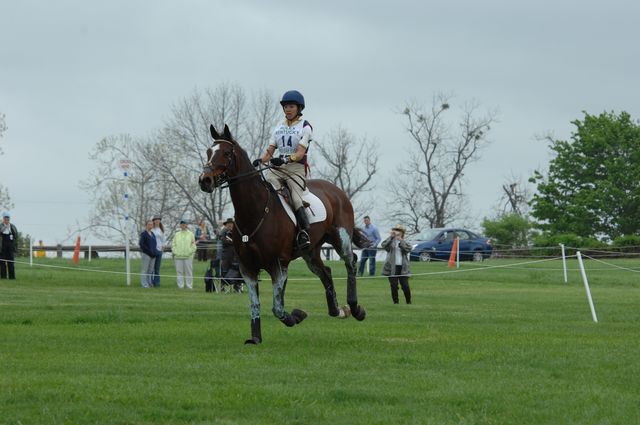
(291, 138)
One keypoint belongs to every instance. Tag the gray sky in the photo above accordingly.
(73, 72)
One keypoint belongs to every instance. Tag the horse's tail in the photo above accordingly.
(360, 239)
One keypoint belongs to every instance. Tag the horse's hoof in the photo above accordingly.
(289, 320)
(253, 341)
(345, 312)
(298, 315)
(359, 314)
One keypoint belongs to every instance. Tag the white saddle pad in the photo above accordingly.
(316, 211)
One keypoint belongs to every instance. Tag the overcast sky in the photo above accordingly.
(73, 72)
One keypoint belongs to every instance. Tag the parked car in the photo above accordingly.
(436, 244)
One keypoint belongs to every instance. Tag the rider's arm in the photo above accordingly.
(268, 154)
(300, 151)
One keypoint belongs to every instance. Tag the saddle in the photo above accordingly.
(313, 206)
(285, 192)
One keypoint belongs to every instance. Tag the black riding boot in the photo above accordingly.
(303, 229)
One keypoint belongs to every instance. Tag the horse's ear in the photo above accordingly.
(214, 133)
(227, 133)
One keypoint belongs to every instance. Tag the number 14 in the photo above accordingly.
(288, 142)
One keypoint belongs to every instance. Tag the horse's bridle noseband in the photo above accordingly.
(222, 178)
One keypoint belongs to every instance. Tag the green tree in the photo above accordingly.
(510, 229)
(592, 187)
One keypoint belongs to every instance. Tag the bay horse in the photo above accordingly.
(264, 235)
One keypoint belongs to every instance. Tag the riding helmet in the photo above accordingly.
(293, 96)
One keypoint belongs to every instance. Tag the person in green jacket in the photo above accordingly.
(183, 247)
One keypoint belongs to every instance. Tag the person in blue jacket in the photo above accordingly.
(149, 252)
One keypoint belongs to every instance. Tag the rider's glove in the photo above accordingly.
(256, 162)
(277, 161)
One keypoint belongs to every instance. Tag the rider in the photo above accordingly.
(291, 138)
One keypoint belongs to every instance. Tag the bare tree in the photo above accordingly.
(440, 158)
(265, 112)
(165, 165)
(108, 185)
(180, 151)
(515, 196)
(348, 163)
(3, 128)
(5, 199)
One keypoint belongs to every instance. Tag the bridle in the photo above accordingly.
(222, 181)
(222, 177)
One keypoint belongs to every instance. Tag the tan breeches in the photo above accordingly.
(293, 174)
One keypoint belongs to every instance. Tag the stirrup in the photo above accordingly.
(303, 239)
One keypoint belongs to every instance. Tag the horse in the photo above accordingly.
(264, 235)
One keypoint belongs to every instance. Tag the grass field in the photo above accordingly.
(497, 345)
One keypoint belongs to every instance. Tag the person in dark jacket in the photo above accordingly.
(396, 266)
(230, 263)
(8, 247)
(148, 252)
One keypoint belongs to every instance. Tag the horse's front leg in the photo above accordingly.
(254, 298)
(279, 276)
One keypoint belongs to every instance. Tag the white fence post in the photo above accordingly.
(564, 262)
(586, 287)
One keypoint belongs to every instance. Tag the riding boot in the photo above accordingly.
(303, 229)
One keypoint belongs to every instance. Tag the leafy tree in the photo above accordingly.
(510, 229)
(592, 187)
(571, 241)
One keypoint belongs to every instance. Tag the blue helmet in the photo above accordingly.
(293, 96)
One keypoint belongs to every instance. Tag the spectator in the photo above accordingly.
(158, 230)
(230, 264)
(226, 240)
(8, 247)
(396, 266)
(369, 253)
(202, 240)
(148, 252)
(183, 247)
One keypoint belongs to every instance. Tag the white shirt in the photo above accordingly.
(159, 237)
(398, 252)
(287, 138)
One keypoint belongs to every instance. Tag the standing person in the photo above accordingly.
(369, 253)
(158, 230)
(227, 253)
(148, 252)
(291, 138)
(202, 240)
(8, 247)
(230, 263)
(183, 247)
(396, 266)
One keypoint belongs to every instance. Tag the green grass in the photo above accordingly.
(487, 346)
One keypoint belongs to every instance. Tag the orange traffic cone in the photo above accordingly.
(76, 252)
(454, 250)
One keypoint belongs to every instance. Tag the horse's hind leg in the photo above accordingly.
(343, 247)
(315, 264)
